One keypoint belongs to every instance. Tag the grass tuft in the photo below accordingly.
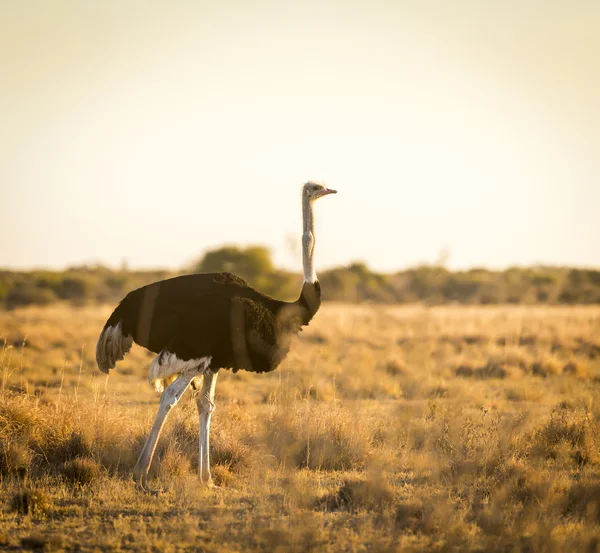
(30, 502)
(359, 495)
(40, 542)
(570, 434)
(82, 471)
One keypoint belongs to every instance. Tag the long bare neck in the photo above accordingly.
(308, 241)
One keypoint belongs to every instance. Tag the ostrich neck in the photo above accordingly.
(308, 241)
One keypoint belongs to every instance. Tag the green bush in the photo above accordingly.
(353, 283)
(250, 263)
(27, 293)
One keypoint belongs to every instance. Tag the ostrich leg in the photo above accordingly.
(168, 400)
(206, 405)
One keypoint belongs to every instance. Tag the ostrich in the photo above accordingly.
(200, 323)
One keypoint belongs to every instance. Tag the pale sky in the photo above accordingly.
(151, 131)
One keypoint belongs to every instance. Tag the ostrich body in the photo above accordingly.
(200, 323)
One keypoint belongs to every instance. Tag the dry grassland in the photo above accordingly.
(386, 429)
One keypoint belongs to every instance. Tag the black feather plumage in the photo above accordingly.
(213, 314)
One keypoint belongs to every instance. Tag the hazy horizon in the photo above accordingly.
(149, 132)
(438, 261)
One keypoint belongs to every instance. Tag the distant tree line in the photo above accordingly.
(353, 283)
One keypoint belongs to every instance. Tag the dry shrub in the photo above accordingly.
(229, 452)
(515, 357)
(491, 369)
(320, 437)
(438, 391)
(370, 384)
(477, 455)
(576, 368)
(412, 387)
(300, 489)
(27, 421)
(173, 463)
(81, 470)
(395, 366)
(222, 476)
(18, 415)
(65, 443)
(40, 542)
(589, 349)
(492, 519)
(515, 393)
(20, 425)
(15, 459)
(528, 488)
(433, 515)
(303, 533)
(418, 435)
(583, 501)
(546, 367)
(410, 515)
(475, 339)
(30, 502)
(359, 495)
(567, 432)
(38, 437)
(119, 457)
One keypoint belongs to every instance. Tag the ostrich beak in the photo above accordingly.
(327, 191)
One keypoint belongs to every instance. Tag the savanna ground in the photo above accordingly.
(386, 429)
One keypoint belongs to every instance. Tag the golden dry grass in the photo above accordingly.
(386, 429)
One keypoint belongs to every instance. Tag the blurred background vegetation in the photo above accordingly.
(432, 284)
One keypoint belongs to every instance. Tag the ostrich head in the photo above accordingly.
(313, 191)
